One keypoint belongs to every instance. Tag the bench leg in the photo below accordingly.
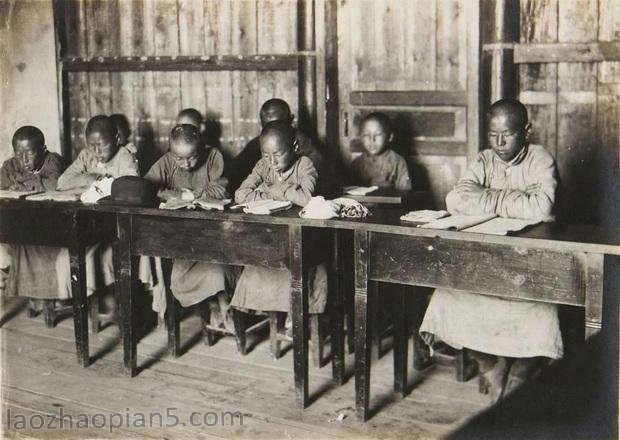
(465, 369)
(239, 322)
(275, 328)
(173, 326)
(48, 313)
(375, 319)
(400, 341)
(94, 314)
(317, 340)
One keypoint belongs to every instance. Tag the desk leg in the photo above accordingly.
(594, 293)
(124, 285)
(362, 337)
(80, 310)
(337, 315)
(400, 341)
(299, 309)
(376, 330)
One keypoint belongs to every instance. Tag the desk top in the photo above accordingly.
(557, 236)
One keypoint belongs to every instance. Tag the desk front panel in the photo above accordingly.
(497, 269)
(37, 225)
(218, 241)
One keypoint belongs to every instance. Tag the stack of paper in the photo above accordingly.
(501, 226)
(56, 196)
(423, 216)
(359, 190)
(10, 194)
(264, 207)
(458, 222)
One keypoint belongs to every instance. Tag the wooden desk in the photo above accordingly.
(220, 237)
(60, 224)
(550, 263)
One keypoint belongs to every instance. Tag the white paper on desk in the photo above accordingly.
(56, 196)
(266, 207)
(359, 190)
(423, 216)
(501, 226)
(10, 194)
(458, 222)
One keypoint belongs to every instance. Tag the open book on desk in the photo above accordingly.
(359, 190)
(10, 194)
(501, 226)
(264, 207)
(458, 222)
(57, 196)
(202, 203)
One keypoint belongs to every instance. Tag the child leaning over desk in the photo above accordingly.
(31, 270)
(279, 175)
(191, 170)
(516, 179)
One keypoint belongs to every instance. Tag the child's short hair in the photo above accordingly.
(278, 106)
(381, 118)
(29, 133)
(122, 124)
(193, 114)
(186, 133)
(282, 130)
(102, 124)
(509, 105)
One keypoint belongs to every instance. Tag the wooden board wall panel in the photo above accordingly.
(608, 115)
(102, 18)
(192, 42)
(576, 113)
(538, 82)
(420, 58)
(389, 44)
(451, 41)
(438, 174)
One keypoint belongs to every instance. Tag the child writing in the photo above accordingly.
(511, 179)
(32, 268)
(279, 175)
(188, 171)
(379, 165)
(104, 156)
(275, 110)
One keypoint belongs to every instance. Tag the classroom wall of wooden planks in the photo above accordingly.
(151, 100)
(575, 106)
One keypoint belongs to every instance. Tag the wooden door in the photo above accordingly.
(418, 62)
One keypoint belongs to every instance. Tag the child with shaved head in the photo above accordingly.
(280, 174)
(515, 179)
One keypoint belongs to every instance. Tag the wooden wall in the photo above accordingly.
(574, 105)
(415, 60)
(151, 100)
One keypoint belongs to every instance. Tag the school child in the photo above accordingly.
(103, 157)
(281, 175)
(277, 110)
(188, 171)
(191, 116)
(379, 165)
(32, 269)
(514, 179)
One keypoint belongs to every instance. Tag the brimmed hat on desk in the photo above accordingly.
(132, 191)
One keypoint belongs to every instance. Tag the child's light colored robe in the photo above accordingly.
(386, 170)
(265, 289)
(192, 281)
(523, 188)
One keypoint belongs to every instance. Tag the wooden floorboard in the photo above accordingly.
(40, 375)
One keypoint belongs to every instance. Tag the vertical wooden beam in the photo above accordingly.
(362, 336)
(307, 67)
(400, 339)
(332, 104)
(60, 38)
(336, 310)
(500, 30)
(474, 119)
(299, 309)
(594, 293)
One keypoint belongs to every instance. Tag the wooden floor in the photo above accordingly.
(40, 375)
